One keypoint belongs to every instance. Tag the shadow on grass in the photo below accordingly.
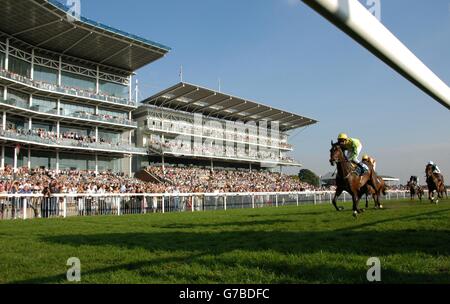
(221, 248)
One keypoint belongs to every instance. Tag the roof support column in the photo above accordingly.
(130, 87)
(29, 157)
(97, 81)
(96, 134)
(4, 121)
(96, 163)
(15, 158)
(60, 71)
(2, 165)
(57, 161)
(32, 65)
(7, 55)
(30, 121)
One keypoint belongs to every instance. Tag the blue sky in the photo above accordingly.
(282, 53)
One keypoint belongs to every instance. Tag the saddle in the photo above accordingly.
(360, 169)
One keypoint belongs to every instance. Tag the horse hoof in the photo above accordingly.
(381, 207)
(355, 214)
(341, 208)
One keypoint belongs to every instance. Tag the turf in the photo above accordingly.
(307, 244)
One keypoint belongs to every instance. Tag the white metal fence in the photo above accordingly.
(28, 206)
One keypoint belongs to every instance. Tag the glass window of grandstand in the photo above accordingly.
(72, 161)
(81, 134)
(77, 110)
(19, 67)
(110, 164)
(109, 137)
(17, 98)
(45, 74)
(112, 113)
(43, 159)
(44, 129)
(114, 89)
(78, 82)
(42, 104)
(18, 125)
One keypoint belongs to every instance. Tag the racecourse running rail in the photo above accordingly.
(29, 206)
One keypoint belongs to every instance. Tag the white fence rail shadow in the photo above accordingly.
(28, 206)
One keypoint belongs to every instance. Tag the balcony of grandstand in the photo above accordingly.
(66, 88)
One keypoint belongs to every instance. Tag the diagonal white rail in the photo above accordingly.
(355, 20)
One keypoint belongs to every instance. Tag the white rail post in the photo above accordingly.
(315, 199)
(192, 203)
(225, 202)
(298, 194)
(24, 208)
(253, 201)
(65, 207)
(276, 200)
(345, 197)
(118, 205)
(331, 200)
(162, 202)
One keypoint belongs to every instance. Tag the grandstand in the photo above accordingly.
(66, 89)
(190, 124)
(66, 103)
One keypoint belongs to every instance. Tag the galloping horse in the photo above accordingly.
(375, 192)
(347, 179)
(435, 182)
(414, 190)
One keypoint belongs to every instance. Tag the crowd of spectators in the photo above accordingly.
(170, 179)
(193, 179)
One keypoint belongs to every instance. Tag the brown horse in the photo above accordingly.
(414, 190)
(375, 192)
(435, 182)
(347, 179)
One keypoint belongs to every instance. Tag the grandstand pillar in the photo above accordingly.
(96, 134)
(130, 88)
(58, 106)
(130, 165)
(32, 65)
(163, 163)
(29, 157)
(212, 165)
(15, 159)
(3, 158)
(4, 121)
(250, 167)
(59, 72)
(57, 161)
(96, 163)
(57, 128)
(7, 55)
(97, 82)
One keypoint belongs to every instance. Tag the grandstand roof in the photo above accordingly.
(45, 24)
(193, 98)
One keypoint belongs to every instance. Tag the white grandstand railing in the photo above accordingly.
(12, 206)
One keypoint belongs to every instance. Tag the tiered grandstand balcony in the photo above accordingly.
(58, 91)
(32, 137)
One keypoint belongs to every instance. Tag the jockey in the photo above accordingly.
(370, 160)
(434, 167)
(352, 147)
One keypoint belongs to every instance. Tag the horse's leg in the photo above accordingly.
(367, 200)
(336, 195)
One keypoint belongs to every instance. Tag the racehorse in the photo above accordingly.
(347, 179)
(435, 182)
(375, 192)
(414, 190)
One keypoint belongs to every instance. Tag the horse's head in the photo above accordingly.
(336, 153)
(428, 170)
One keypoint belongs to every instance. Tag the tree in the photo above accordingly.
(309, 177)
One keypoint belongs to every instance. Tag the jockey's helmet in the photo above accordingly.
(365, 157)
(342, 136)
(431, 162)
